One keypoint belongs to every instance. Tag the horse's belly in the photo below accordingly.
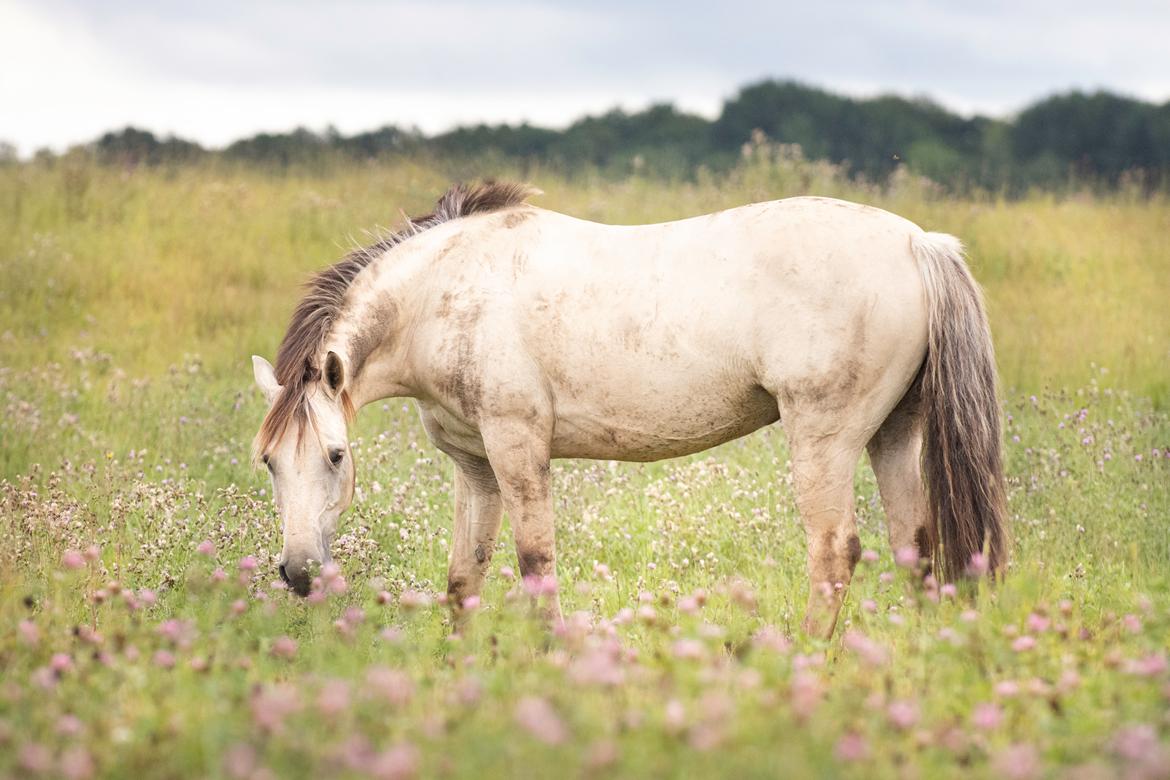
(652, 427)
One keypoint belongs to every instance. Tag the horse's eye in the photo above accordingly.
(335, 456)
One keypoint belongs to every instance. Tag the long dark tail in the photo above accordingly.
(962, 456)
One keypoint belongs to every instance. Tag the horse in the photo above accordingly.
(525, 335)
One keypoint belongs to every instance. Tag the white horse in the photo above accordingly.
(526, 335)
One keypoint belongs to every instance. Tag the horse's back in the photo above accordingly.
(664, 339)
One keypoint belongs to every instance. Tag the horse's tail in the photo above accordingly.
(962, 456)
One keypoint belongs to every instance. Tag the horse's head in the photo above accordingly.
(305, 446)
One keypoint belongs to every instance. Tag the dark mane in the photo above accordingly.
(325, 292)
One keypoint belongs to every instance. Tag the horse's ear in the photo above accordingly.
(265, 377)
(334, 374)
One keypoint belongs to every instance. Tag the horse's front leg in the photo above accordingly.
(478, 511)
(519, 452)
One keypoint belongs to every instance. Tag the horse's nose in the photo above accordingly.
(297, 578)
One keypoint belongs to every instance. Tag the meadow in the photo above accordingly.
(144, 631)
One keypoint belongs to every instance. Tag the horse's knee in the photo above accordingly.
(535, 561)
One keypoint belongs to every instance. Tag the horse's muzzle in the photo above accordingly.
(296, 577)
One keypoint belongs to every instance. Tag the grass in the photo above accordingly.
(131, 302)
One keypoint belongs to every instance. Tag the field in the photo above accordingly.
(142, 633)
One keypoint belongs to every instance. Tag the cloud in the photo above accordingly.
(217, 70)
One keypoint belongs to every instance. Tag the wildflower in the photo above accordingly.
(1007, 688)
(624, 617)
(1132, 623)
(742, 594)
(869, 556)
(540, 586)
(72, 559)
(948, 634)
(1038, 623)
(1023, 644)
(272, 704)
(29, 633)
(284, 647)
(986, 716)
(43, 678)
(674, 716)
(507, 573)
(205, 548)
(468, 691)
(61, 663)
(536, 716)
(147, 597)
(869, 605)
(391, 684)
(470, 603)
(333, 698)
(248, 563)
(1138, 745)
(398, 763)
(1017, 762)
(902, 714)
(164, 659)
(906, 557)
(93, 552)
(806, 693)
(1152, 665)
(688, 649)
(35, 758)
(871, 653)
(948, 590)
(705, 736)
(77, 763)
(410, 600)
(978, 565)
(852, 747)
(601, 754)
(69, 725)
(240, 762)
(178, 632)
(1069, 680)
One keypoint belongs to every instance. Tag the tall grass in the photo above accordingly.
(151, 265)
(140, 633)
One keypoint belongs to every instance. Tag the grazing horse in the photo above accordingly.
(526, 335)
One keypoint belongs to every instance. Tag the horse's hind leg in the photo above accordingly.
(823, 465)
(895, 454)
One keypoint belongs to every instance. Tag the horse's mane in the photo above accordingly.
(325, 292)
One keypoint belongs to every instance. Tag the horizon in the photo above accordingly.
(215, 75)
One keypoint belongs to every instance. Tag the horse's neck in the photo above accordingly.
(372, 331)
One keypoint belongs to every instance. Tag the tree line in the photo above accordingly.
(1077, 139)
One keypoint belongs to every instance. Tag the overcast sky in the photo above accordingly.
(217, 70)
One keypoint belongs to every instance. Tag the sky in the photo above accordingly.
(218, 70)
